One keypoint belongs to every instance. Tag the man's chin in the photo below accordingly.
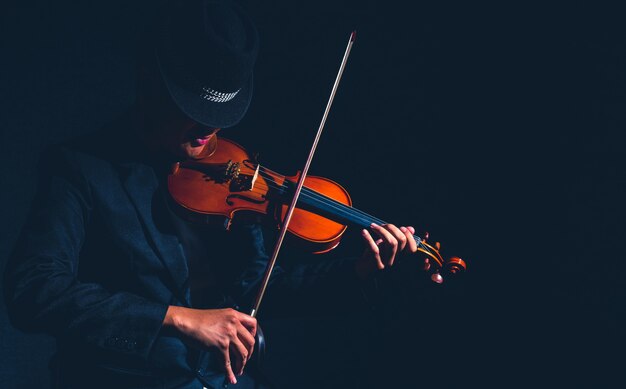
(200, 148)
(200, 142)
(194, 152)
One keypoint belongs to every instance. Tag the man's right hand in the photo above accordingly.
(228, 330)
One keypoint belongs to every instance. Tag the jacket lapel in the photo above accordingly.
(141, 185)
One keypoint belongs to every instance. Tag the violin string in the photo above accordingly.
(323, 198)
(332, 203)
(337, 205)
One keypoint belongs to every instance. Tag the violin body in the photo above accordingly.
(215, 188)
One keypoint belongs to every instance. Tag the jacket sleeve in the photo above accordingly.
(297, 287)
(42, 289)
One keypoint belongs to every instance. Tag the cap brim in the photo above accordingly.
(209, 113)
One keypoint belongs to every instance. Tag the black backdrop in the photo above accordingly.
(499, 129)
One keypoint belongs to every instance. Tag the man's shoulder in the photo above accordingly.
(111, 144)
(94, 154)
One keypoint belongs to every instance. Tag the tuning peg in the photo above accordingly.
(437, 278)
(426, 235)
(437, 245)
(426, 265)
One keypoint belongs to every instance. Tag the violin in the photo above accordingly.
(215, 188)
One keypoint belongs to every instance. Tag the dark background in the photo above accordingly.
(497, 128)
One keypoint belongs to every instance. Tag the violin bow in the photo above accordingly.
(294, 201)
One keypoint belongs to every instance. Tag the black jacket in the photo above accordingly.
(96, 268)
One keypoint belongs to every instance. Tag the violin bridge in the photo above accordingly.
(255, 176)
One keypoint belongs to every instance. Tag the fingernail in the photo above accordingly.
(374, 225)
(364, 231)
(403, 229)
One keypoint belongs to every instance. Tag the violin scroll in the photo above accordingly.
(434, 262)
(455, 265)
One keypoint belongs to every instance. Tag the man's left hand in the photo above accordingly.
(381, 251)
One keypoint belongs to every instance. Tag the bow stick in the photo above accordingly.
(292, 206)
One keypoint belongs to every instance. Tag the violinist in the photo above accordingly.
(134, 294)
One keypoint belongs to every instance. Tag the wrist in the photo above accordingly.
(173, 317)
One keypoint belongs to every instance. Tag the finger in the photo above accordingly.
(247, 321)
(390, 245)
(409, 239)
(227, 366)
(398, 234)
(246, 338)
(382, 233)
(372, 248)
(241, 355)
(411, 229)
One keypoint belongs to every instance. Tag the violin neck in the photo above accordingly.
(336, 211)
